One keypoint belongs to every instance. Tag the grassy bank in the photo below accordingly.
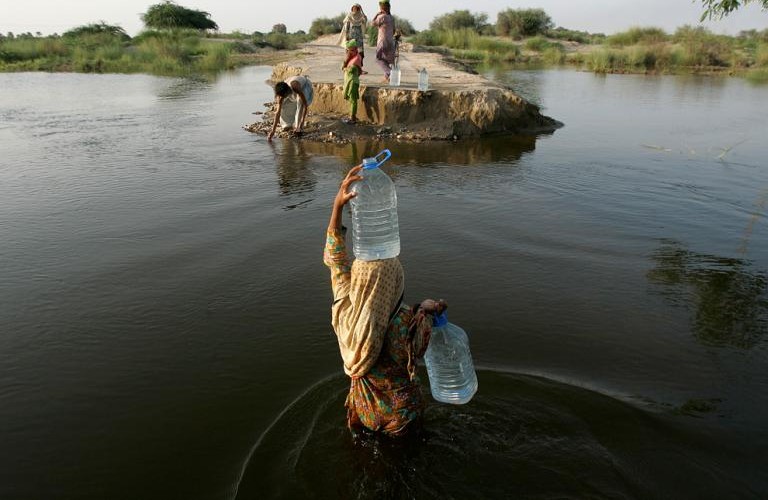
(638, 50)
(104, 49)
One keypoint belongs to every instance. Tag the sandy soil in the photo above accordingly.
(321, 59)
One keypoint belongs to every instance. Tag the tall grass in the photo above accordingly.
(689, 48)
(700, 47)
(179, 52)
(468, 44)
(636, 35)
(540, 44)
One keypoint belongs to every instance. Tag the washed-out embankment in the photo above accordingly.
(457, 105)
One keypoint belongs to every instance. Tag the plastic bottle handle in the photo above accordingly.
(387, 155)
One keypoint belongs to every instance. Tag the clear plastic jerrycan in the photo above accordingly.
(375, 230)
(423, 80)
(394, 76)
(452, 377)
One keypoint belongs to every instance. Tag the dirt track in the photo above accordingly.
(458, 103)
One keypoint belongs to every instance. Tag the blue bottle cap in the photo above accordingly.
(369, 163)
(440, 319)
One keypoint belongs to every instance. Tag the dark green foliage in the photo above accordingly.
(518, 23)
(459, 19)
(168, 15)
(280, 41)
(405, 26)
(561, 33)
(540, 44)
(100, 28)
(634, 36)
(326, 25)
(701, 47)
(279, 28)
(717, 9)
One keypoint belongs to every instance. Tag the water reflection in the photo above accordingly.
(182, 88)
(728, 298)
(294, 176)
(524, 82)
(498, 149)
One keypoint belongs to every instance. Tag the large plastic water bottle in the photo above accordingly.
(423, 80)
(394, 76)
(452, 377)
(375, 231)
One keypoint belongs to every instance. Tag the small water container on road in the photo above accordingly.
(394, 76)
(423, 80)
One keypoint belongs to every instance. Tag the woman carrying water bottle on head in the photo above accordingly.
(380, 338)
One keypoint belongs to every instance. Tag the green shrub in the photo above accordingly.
(168, 15)
(634, 36)
(215, 57)
(101, 28)
(519, 23)
(561, 33)
(758, 75)
(464, 39)
(761, 55)
(14, 50)
(607, 61)
(553, 55)
(427, 38)
(469, 55)
(404, 26)
(326, 25)
(700, 47)
(540, 44)
(459, 19)
(280, 41)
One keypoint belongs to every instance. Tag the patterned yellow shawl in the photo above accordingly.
(376, 289)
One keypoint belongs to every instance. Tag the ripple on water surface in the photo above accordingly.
(521, 437)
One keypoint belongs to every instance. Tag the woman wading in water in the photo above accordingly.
(380, 338)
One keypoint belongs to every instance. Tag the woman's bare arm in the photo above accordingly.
(343, 196)
(277, 118)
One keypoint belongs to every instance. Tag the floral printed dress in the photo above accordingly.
(388, 398)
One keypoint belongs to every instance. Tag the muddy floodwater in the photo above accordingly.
(164, 310)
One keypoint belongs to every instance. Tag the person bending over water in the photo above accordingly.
(293, 99)
(380, 338)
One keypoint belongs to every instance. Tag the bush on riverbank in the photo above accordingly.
(637, 50)
(467, 44)
(98, 49)
(567, 35)
(519, 23)
(689, 48)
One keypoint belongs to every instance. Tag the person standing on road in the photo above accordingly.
(385, 43)
(352, 67)
(354, 28)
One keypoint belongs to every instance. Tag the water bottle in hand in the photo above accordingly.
(375, 230)
(452, 377)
